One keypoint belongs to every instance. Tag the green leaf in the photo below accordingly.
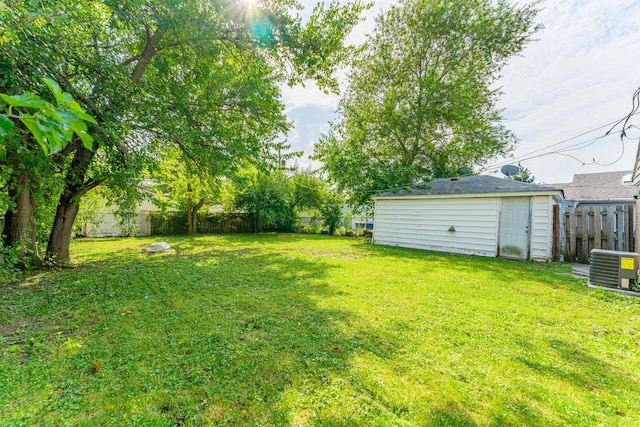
(87, 140)
(76, 109)
(32, 125)
(55, 134)
(64, 119)
(6, 125)
(86, 117)
(55, 89)
(80, 128)
(67, 99)
(52, 131)
(28, 100)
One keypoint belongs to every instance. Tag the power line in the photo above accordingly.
(573, 147)
(615, 161)
(635, 106)
(560, 152)
(507, 161)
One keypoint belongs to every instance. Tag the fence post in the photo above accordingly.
(608, 216)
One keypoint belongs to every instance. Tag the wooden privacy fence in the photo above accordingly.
(172, 223)
(597, 227)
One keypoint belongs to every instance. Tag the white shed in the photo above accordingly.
(475, 215)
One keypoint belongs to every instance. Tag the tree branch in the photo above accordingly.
(130, 60)
(150, 49)
(88, 186)
(62, 155)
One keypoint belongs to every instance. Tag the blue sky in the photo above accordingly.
(579, 75)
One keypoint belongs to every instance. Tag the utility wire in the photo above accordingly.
(576, 146)
(615, 122)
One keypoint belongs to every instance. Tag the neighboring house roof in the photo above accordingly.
(482, 184)
(600, 186)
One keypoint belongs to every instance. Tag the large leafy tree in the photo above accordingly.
(189, 189)
(195, 74)
(275, 198)
(421, 101)
(267, 197)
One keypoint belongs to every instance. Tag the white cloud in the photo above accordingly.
(310, 94)
(579, 75)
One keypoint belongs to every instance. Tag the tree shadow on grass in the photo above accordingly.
(225, 331)
(218, 335)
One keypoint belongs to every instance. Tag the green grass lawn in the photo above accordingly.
(292, 330)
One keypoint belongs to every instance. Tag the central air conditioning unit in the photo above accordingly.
(614, 269)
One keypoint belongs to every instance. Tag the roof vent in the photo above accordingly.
(454, 179)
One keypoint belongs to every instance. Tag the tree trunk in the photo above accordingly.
(189, 218)
(192, 216)
(20, 227)
(69, 204)
(60, 238)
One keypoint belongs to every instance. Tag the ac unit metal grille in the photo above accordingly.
(605, 269)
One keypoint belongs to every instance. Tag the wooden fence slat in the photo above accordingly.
(583, 254)
(597, 231)
(586, 228)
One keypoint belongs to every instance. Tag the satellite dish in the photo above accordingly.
(509, 170)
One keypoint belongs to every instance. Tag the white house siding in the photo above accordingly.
(541, 227)
(424, 224)
(107, 225)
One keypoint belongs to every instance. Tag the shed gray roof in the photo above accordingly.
(599, 186)
(472, 185)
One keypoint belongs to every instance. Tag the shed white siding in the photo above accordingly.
(423, 223)
(541, 227)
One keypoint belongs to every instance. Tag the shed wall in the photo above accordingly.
(425, 224)
(541, 227)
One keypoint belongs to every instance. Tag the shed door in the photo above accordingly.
(514, 228)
